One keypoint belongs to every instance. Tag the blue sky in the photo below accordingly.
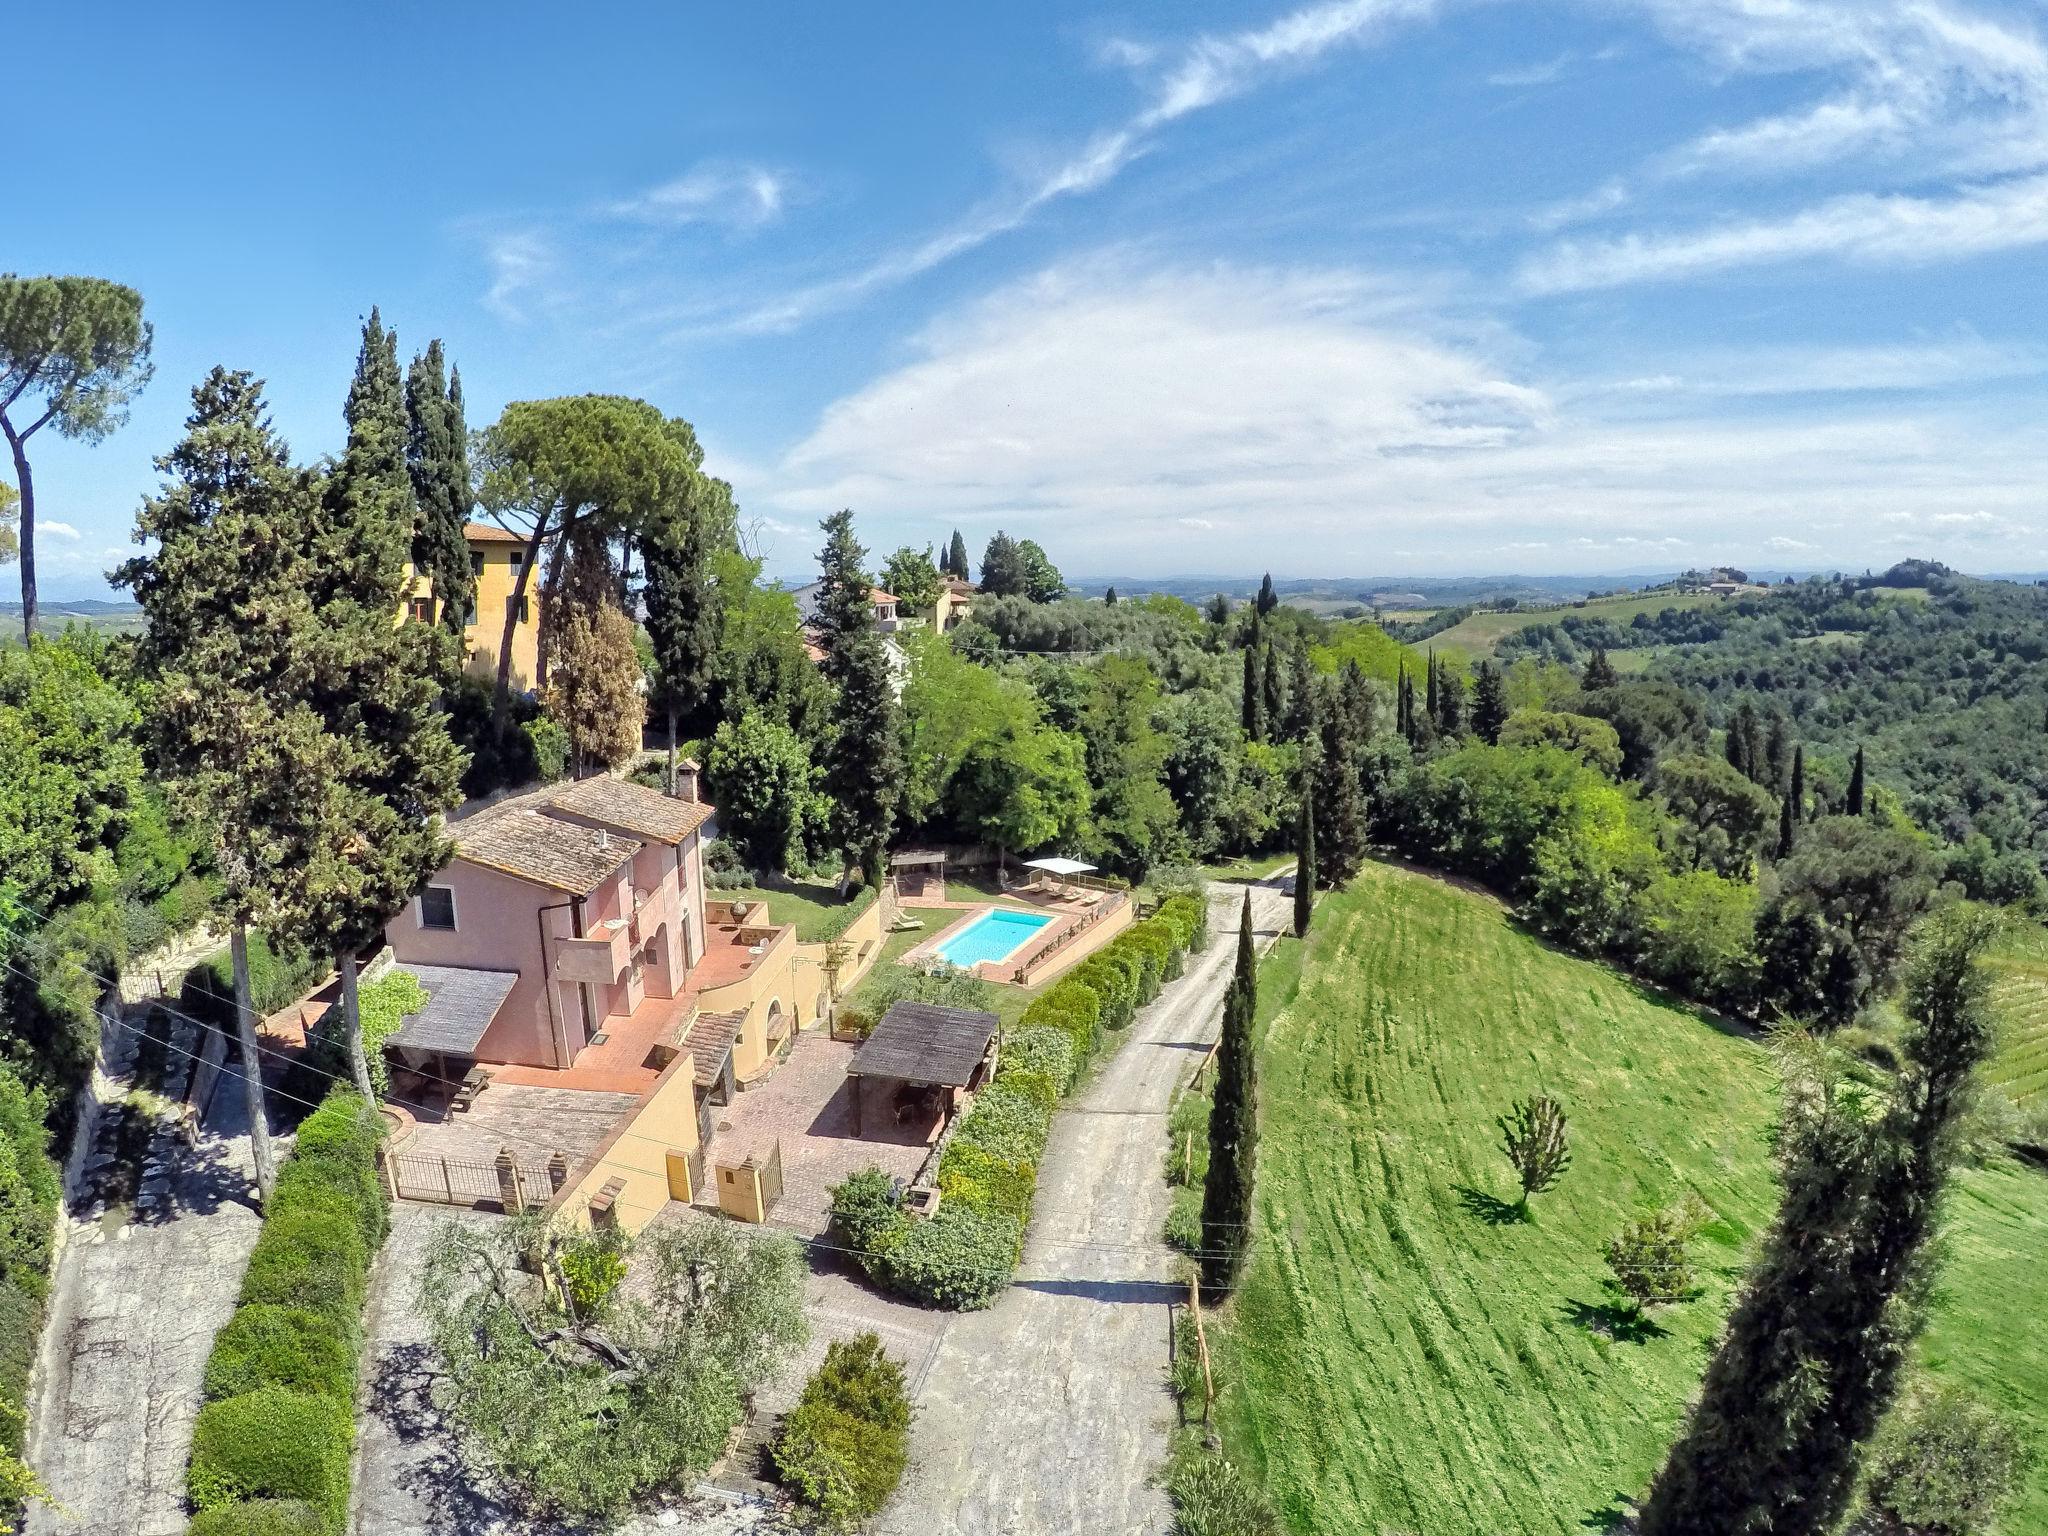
(1358, 287)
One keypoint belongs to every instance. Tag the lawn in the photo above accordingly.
(816, 907)
(1403, 1356)
(1477, 635)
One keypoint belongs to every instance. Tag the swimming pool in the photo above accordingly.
(995, 935)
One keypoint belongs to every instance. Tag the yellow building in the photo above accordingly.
(495, 558)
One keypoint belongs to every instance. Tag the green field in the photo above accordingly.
(1477, 635)
(2021, 963)
(1402, 1357)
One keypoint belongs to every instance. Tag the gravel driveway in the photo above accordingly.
(1048, 1413)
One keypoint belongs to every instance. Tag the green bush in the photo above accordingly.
(866, 1214)
(973, 1177)
(549, 745)
(21, 1326)
(1043, 1051)
(271, 1346)
(278, 977)
(309, 1259)
(258, 1517)
(1006, 1123)
(843, 1448)
(959, 1258)
(274, 1444)
(1944, 1462)
(1212, 1498)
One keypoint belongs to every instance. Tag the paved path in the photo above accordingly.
(136, 1301)
(1048, 1413)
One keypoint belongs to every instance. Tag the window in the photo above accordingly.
(518, 558)
(476, 562)
(437, 907)
(523, 605)
(423, 610)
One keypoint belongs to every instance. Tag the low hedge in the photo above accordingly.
(274, 1443)
(964, 1254)
(271, 1451)
(259, 1517)
(844, 1447)
(265, 1345)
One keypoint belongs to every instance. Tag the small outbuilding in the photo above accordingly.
(918, 1064)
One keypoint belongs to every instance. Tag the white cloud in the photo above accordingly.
(1116, 409)
(1963, 359)
(520, 262)
(1203, 73)
(1542, 72)
(51, 528)
(1783, 545)
(1861, 227)
(737, 196)
(1603, 199)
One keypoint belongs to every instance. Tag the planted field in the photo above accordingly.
(2021, 963)
(1407, 1357)
(1478, 635)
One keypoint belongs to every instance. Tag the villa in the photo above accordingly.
(496, 556)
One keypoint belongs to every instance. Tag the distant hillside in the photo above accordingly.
(52, 618)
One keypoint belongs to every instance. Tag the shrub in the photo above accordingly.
(273, 1443)
(1006, 1123)
(258, 1517)
(272, 1346)
(959, 1258)
(278, 977)
(866, 1214)
(1212, 1498)
(843, 1449)
(1041, 1051)
(21, 1323)
(1945, 1462)
(548, 743)
(309, 1259)
(1648, 1256)
(972, 1177)
(1184, 1221)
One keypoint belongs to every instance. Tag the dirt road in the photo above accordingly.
(1048, 1413)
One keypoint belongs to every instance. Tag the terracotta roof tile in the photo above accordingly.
(519, 839)
(634, 807)
(489, 533)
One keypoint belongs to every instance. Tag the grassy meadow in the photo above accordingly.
(1404, 1356)
(2021, 964)
(1477, 635)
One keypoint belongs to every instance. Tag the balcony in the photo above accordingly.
(601, 957)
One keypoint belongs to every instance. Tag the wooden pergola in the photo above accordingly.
(928, 1046)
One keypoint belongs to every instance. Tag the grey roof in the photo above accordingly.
(709, 1042)
(635, 808)
(926, 1043)
(460, 1006)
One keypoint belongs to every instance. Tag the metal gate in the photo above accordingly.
(447, 1181)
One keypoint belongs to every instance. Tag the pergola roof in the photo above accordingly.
(910, 858)
(1059, 866)
(460, 1006)
(926, 1043)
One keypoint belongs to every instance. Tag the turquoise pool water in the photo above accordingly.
(995, 935)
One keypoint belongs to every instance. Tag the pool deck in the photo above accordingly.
(1066, 913)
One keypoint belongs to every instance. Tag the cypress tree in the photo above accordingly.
(241, 755)
(1775, 766)
(1274, 688)
(1788, 828)
(1450, 702)
(1431, 702)
(1109, 598)
(375, 687)
(1305, 866)
(863, 761)
(1489, 704)
(1599, 672)
(1798, 794)
(1218, 612)
(1855, 803)
(1302, 685)
(1736, 746)
(1355, 697)
(1254, 703)
(956, 556)
(682, 601)
(1268, 599)
(1403, 698)
(1233, 1124)
(437, 462)
(1813, 1351)
(1340, 804)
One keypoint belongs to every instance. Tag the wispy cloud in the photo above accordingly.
(1858, 226)
(738, 196)
(1120, 409)
(1197, 76)
(520, 262)
(1959, 360)
(1542, 72)
(55, 529)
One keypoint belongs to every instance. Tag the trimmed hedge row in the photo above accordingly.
(964, 1255)
(271, 1450)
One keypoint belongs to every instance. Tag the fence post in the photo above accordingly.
(447, 1181)
(558, 1171)
(509, 1192)
(1201, 1338)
